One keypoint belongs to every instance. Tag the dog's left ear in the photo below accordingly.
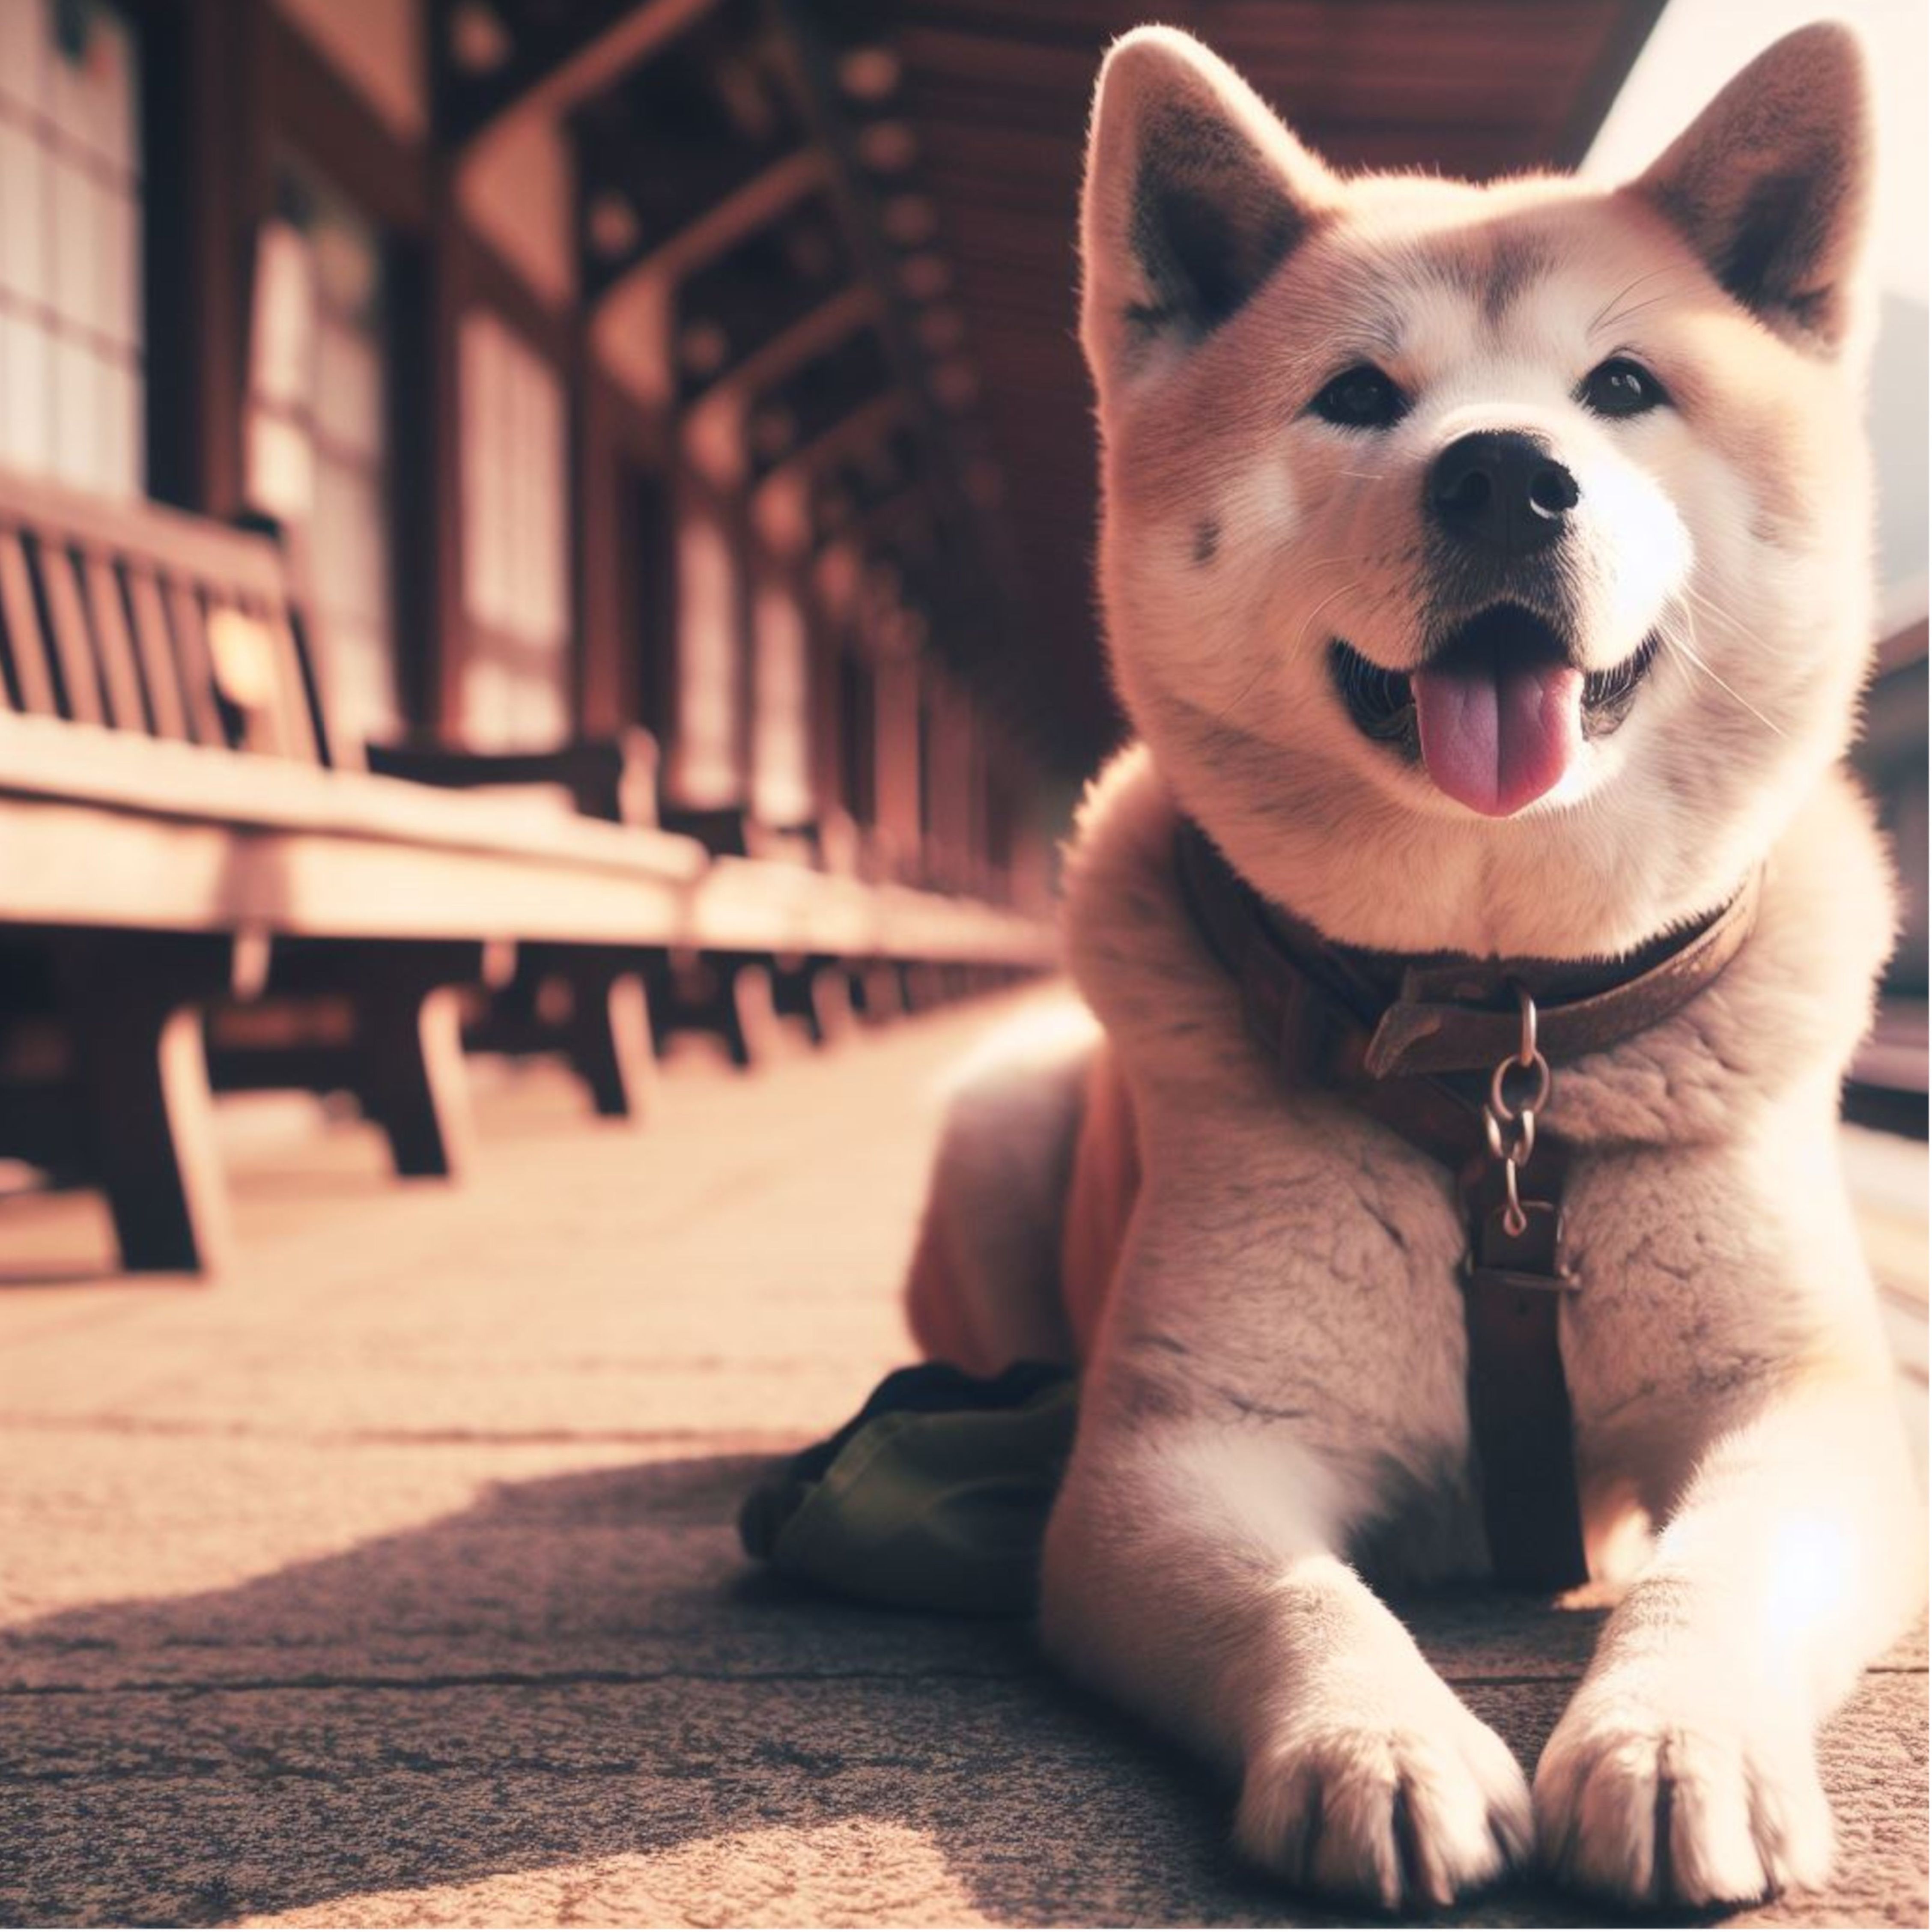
(1194, 194)
(1772, 184)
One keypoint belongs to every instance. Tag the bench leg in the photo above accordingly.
(881, 994)
(587, 1004)
(833, 1017)
(406, 1072)
(400, 1054)
(791, 994)
(720, 993)
(817, 992)
(920, 986)
(134, 1009)
(751, 1025)
(608, 1039)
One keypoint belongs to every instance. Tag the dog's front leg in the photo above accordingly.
(1191, 1571)
(1684, 1771)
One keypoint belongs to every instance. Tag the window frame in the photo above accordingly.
(120, 344)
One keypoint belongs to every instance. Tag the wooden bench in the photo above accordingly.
(184, 837)
(775, 928)
(181, 834)
(823, 923)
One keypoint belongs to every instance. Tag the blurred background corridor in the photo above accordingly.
(546, 643)
(661, 416)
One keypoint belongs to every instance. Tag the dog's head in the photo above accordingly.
(1486, 567)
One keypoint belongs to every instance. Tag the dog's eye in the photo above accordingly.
(1621, 387)
(1362, 397)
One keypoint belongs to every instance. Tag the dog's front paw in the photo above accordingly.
(1667, 1795)
(1413, 1809)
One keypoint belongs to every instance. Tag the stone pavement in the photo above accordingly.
(393, 1579)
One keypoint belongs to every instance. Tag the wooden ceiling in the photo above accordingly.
(996, 93)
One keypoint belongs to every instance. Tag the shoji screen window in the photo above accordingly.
(516, 673)
(781, 747)
(318, 440)
(71, 346)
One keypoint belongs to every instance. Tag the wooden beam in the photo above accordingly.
(865, 426)
(743, 211)
(890, 521)
(850, 310)
(566, 74)
(896, 688)
(816, 397)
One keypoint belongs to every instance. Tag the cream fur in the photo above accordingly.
(1274, 1414)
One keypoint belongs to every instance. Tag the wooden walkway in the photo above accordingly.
(393, 1580)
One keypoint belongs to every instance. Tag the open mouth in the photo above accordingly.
(1497, 713)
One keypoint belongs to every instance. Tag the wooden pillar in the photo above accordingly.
(896, 709)
(1029, 867)
(979, 870)
(844, 759)
(999, 789)
(936, 694)
(439, 686)
(625, 563)
(964, 815)
(951, 835)
(601, 546)
(825, 723)
(202, 100)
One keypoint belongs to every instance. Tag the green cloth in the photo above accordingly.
(934, 1497)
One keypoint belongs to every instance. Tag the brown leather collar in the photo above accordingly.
(1435, 1013)
(1416, 1042)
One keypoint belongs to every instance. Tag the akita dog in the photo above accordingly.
(1485, 573)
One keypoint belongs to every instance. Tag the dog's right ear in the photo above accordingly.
(1194, 194)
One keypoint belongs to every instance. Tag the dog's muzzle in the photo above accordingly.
(1497, 713)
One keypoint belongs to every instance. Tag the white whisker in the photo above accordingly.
(1717, 612)
(1307, 623)
(1635, 282)
(1684, 646)
(1268, 661)
(1637, 308)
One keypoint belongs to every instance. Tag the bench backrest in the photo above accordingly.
(144, 619)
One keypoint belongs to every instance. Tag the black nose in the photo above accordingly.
(1502, 490)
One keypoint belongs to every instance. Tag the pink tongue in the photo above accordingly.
(1495, 738)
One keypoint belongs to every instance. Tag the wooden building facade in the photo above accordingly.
(581, 351)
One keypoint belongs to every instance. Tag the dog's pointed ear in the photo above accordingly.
(1195, 194)
(1772, 185)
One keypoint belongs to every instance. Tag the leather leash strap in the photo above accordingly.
(1519, 1421)
(1426, 1045)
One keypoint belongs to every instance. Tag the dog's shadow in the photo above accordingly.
(584, 1667)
